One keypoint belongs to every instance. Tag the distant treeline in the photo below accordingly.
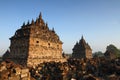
(111, 48)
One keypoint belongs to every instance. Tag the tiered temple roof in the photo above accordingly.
(37, 29)
(35, 43)
(82, 50)
(81, 45)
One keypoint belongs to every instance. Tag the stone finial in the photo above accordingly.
(53, 29)
(32, 22)
(46, 24)
(40, 20)
(82, 37)
(28, 23)
(82, 40)
(40, 15)
(36, 22)
(23, 24)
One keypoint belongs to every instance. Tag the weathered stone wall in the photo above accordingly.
(19, 47)
(82, 50)
(40, 51)
(34, 43)
(88, 53)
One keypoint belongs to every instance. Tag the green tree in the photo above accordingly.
(113, 49)
(98, 54)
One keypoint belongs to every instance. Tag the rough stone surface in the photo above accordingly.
(35, 43)
(82, 50)
(14, 71)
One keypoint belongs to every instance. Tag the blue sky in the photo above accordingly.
(97, 20)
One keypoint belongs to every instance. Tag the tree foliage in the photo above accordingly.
(98, 54)
(113, 49)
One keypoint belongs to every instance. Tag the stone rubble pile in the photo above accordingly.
(73, 69)
(78, 69)
(11, 71)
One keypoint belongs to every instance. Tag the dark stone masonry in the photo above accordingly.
(82, 50)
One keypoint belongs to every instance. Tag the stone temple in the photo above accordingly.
(82, 50)
(35, 43)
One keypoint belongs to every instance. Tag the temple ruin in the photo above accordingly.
(82, 50)
(35, 43)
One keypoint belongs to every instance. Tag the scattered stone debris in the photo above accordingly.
(73, 69)
(12, 71)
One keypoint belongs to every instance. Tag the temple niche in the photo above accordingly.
(35, 43)
(82, 50)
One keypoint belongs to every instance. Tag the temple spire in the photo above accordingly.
(53, 29)
(40, 16)
(40, 20)
(28, 23)
(46, 24)
(82, 41)
(82, 37)
(32, 22)
(23, 24)
(36, 23)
